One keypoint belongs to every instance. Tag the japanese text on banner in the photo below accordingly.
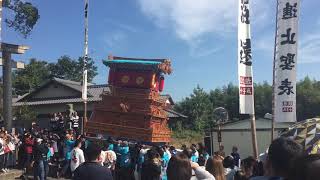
(245, 60)
(285, 61)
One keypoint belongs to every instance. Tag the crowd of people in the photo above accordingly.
(67, 153)
(120, 160)
(36, 149)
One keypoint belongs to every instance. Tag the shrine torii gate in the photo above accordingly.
(7, 65)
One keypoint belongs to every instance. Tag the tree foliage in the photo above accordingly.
(200, 104)
(67, 68)
(38, 72)
(29, 78)
(308, 99)
(197, 108)
(25, 16)
(25, 113)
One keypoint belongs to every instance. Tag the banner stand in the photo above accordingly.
(273, 75)
(246, 88)
(254, 135)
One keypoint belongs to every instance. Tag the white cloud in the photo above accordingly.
(114, 39)
(309, 48)
(117, 24)
(264, 43)
(119, 34)
(308, 51)
(191, 20)
(200, 23)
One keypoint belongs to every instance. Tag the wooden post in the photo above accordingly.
(254, 136)
(1, 1)
(219, 135)
(211, 141)
(85, 119)
(273, 75)
(7, 89)
(7, 50)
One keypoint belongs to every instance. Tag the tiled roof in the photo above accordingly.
(173, 114)
(72, 84)
(94, 92)
(56, 101)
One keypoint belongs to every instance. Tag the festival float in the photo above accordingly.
(133, 108)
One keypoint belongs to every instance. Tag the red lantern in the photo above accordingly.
(111, 77)
(161, 84)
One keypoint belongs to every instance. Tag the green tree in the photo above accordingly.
(197, 107)
(64, 68)
(29, 78)
(263, 99)
(24, 18)
(25, 113)
(231, 100)
(308, 99)
(38, 72)
(68, 68)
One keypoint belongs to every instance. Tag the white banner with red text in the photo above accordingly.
(246, 93)
(286, 61)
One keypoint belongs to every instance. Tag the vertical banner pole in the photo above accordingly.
(273, 75)
(254, 135)
(1, 8)
(211, 141)
(85, 60)
(285, 61)
(7, 88)
(246, 89)
(219, 136)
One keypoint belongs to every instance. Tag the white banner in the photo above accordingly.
(245, 60)
(84, 85)
(85, 58)
(286, 61)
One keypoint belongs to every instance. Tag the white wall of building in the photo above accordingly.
(242, 139)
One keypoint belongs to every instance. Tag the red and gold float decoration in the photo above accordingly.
(133, 108)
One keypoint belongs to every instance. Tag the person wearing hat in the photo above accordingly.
(40, 152)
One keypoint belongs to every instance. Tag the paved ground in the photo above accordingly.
(50, 178)
(15, 174)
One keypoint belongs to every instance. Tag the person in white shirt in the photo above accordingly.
(108, 157)
(77, 157)
(75, 122)
(2, 145)
(229, 167)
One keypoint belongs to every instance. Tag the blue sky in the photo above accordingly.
(200, 37)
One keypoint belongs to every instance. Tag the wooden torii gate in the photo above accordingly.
(7, 65)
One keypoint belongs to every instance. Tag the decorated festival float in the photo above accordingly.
(133, 108)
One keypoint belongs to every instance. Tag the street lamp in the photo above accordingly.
(220, 114)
